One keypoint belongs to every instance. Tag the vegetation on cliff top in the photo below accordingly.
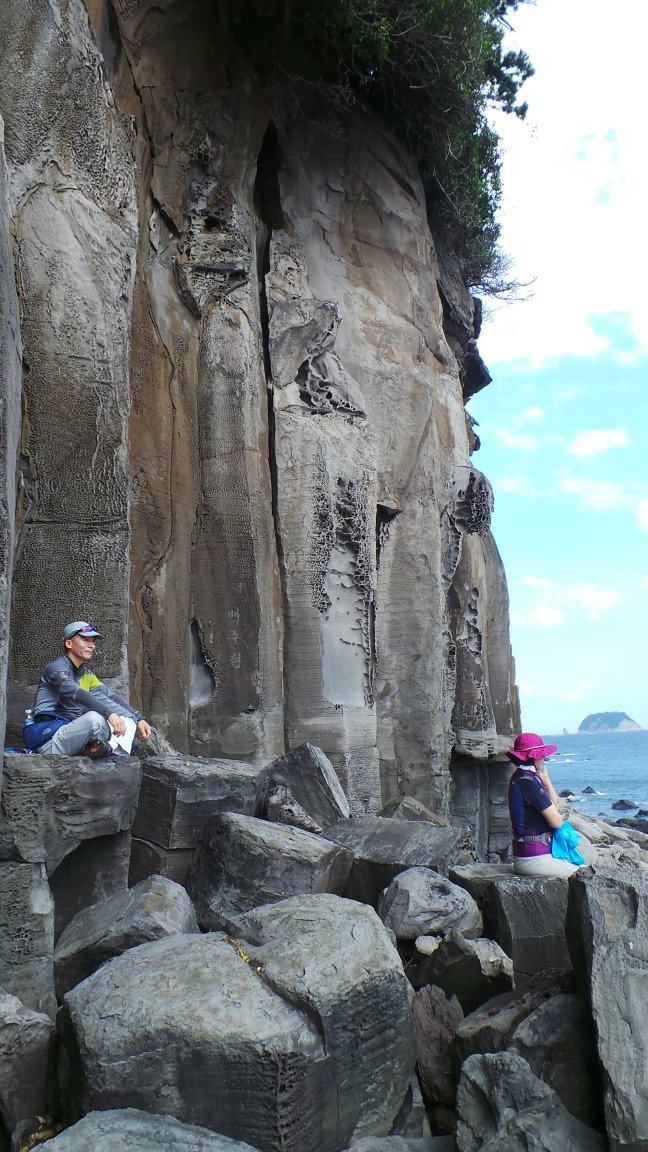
(433, 68)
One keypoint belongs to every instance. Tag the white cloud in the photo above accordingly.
(593, 600)
(642, 517)
(512, 483)
(601, 495)
(580, 691)
(533, 413)
(538, 616)
(574, 186)
(517, 440)
(598, 440)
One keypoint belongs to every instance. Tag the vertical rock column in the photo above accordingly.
(71, 197)
(205, 586)
(10, 353)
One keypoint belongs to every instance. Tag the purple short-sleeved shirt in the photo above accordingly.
(528, 798)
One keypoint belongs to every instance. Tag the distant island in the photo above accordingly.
(609, 722)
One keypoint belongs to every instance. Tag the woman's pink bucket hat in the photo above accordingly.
(530, 746)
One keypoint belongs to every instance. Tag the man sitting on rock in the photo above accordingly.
(74, 712)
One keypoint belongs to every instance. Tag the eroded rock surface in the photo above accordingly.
(244, 435)
(291, 1049)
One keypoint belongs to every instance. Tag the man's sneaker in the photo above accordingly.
(96, 749)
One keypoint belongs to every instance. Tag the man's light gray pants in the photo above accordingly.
(71, 738)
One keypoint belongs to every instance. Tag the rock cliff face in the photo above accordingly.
(244, 448)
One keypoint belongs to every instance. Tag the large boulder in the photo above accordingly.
(51, 804)
(180, 794)
(606, 926)
(128, 1130)
(382, 848)
(525, 915)
(501, 1106)
(472, 970)
(154, 908)
(26, 1062)
(335, 959)
(149, 859)
(293, 1040)
(420, 902)
(490, 1027)
(558, 1043)
(309, 779)
(95, 870)
(241, 862)
(27, 935)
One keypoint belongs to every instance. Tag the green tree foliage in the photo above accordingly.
(433, 68)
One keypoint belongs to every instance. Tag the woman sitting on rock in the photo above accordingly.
(533, 806)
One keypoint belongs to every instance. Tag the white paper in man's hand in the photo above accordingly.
(125, 741)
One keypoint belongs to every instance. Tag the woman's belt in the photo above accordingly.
(542, 838)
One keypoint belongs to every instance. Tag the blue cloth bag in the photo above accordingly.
(564, 844)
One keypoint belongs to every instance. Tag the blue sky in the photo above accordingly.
(563, 425)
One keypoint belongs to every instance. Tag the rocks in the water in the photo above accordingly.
(296, 1035)
(565, 794)
(179, 795)
(607, 915)
(51, 804)
(420, 902)
(154, 908)
(472, 970)
(130, 1130)
(26, 1063)
(242, 862)
(624, 805)
(301, 788)
(589, 791)
(382, 848)
(525, 915)
(503, 1107)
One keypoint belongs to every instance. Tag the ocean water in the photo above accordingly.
(615, 764)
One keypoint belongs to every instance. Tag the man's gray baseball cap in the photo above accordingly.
(80, 628)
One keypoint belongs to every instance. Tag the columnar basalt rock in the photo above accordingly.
(10, 378)
(244, 383)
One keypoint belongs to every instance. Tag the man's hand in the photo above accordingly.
(117, 723)
(143, 729)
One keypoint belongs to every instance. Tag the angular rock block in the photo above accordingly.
(558, 1043)
(27, 935)
(26, 1062)
(293, 1043)
(607, 929)
(472, 970)
(179, 795)
(50, 804)
(436, 1019)
(310, 778)
(420, 902)
(336, 961)
(526, 916)
(242, 862)
(148, 859)
(382, 848)
(501, 1106)
(409, 808)
(490, 1027)
(94, 871)
(404, 1144)
(154, 908)
(127, 1130)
